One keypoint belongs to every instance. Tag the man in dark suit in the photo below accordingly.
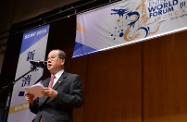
(66, 93)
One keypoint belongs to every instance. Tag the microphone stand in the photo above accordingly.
(10, 93)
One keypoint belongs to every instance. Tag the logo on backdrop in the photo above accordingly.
(144, 21)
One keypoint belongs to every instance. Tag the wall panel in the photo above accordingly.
(165, 79)
(114, 86)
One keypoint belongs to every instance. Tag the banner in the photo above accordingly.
(33, 48)
(127, 22)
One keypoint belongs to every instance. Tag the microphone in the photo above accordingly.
(41, 64)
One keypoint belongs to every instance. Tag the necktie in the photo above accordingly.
(51, 82)
(50, 86)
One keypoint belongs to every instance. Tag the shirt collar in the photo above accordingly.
(58, 74)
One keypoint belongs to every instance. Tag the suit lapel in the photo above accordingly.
(45, 83)
(58, 83)
(60, 80)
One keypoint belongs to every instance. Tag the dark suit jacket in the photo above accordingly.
(59, 109)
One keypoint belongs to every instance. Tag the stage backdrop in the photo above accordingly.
(127, 22)
(33, 48)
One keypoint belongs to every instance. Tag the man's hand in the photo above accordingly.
(49, 92)
(29, 97)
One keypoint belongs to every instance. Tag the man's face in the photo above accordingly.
(54, 62)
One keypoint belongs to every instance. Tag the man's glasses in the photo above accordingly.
(52, 58)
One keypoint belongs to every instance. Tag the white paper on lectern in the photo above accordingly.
(36, 89)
